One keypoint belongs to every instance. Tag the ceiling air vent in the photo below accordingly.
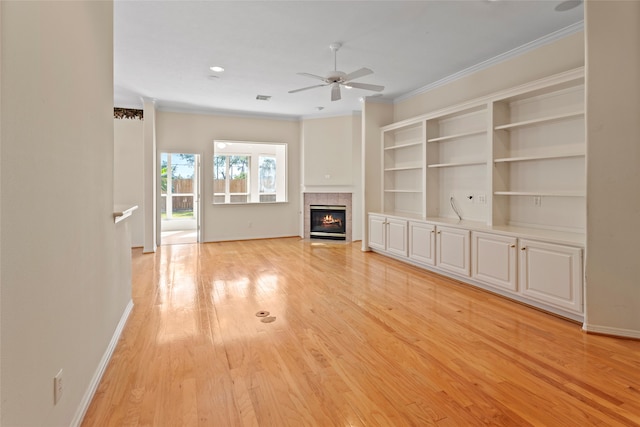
(263, 97)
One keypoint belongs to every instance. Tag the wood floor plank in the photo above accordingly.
(356, 339)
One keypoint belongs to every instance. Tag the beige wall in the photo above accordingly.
(561, 55)
(332, 147)
(328, 158)
(613, 167)
(61, 298)
(195, 133)
(375, 115)
(128, 178)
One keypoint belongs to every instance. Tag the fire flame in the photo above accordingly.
(328, 220)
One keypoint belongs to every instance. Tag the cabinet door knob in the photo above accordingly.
(513, 246)
(524, 248)
(438, 232)
(432, 231)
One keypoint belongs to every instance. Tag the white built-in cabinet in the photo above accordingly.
(494, 260)
(513, 166)
(422, 242)
(543, 266)
(388, 234)
(452, 250)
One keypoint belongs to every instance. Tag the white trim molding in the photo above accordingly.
(615, 332)
(549, 38)
(102, 366)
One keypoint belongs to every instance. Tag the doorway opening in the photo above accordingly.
(179, 204)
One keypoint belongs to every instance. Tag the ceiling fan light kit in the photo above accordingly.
(337, 78)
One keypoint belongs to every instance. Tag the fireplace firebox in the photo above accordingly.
(328, 222)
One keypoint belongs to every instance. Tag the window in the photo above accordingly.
(267, 184)
(249, 172)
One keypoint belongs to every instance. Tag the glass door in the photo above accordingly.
(179, 190)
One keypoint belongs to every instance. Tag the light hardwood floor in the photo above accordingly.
(358, 340)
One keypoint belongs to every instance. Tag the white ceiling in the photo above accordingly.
(163, 49)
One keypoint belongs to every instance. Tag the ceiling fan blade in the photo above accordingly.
(335, 92)
(313, 76)
(366, 86)
(357, 74)
(305, 88)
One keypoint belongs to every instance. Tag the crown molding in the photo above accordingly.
(549, 38)
(227, 113)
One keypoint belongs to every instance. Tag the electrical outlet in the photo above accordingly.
(537, 201)
(58, 387)
(481, 199)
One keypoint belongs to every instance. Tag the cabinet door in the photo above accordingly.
(377, 232)
(422, 242)
(551, 274)
(397, 237)
(453, 250)
(494, 260)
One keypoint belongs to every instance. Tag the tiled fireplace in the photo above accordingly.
(327, 200)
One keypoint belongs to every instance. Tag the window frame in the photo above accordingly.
(254, 151)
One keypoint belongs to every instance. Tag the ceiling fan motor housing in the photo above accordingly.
(335, 76)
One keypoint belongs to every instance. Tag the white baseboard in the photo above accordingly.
(617, 332)
(102, 366)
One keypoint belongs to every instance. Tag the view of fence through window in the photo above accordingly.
(231, 176)
(245, 172)
(177, 185)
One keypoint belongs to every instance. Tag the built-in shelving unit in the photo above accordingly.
(538, 146)
(511, 159)
(457, 162)
(514, 166)
(403, 165)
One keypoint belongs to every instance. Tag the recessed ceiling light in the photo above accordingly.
(216, 69)
(567, 5)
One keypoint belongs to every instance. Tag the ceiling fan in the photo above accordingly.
(336, 78)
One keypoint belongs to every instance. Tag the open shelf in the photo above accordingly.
(404, 145)
(459, 135)
(546, 119)
(539, 157)
(403, 168)
(541, 193)
(449, 165)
